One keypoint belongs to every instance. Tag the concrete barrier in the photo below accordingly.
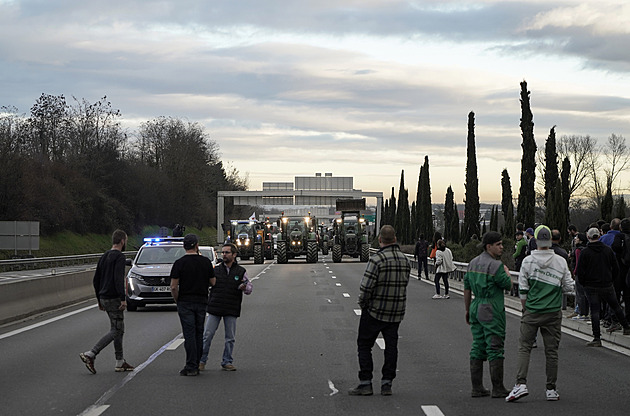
(28, 296)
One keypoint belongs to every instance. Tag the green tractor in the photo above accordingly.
(350, 231)
(249, 238)
(297, 237)
(323, 238)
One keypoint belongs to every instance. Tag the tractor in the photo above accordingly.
(297, 237)
(249, 238)
(323, 238)
(350, 231)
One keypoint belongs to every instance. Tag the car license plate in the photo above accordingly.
(161, 288)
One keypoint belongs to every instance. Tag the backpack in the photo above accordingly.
(625, 249)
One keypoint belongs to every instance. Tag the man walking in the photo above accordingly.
(420, 254)
(109, 286)
(382, 298)
(224, 303)
(544, 277)
(487, 278)
(597, 269)
(191, 276)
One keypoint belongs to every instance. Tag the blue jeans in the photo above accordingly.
(595, 297)
(191, 316)
(580, 298)
(212, 323)
(423, 264)
(369, 329)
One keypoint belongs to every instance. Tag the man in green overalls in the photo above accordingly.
(487, 278)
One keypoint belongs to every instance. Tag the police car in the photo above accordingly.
(148, 280)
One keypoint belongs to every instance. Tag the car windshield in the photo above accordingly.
(208, 252)
(159, 255)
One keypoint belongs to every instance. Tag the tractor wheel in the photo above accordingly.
(282, 252)
(336, 253)
(365, 252)
(311, 252)
(269, 251)
(325, 249)
(258, 254)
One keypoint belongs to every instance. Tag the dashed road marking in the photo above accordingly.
(173, 346)
(432, 411)
(381, 343)
(357, 312)
(346, 295)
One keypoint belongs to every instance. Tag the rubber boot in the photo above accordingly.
(476, 376)
(496, 375)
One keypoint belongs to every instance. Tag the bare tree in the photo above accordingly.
(613, 159)
(583, 155)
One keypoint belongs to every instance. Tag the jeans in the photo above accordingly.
(191, 316)
(444, 277)
(550, 325)
(369, 329)
(580, 299)
(595, 297)
(117, 328)
(423, 263)
(212, 323)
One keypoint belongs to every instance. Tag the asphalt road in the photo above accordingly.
(295, 354)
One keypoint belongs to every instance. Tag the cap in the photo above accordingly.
(542, 236)
(519, 232)
(190, 241)
(592, 233)
(530, 230)
(490, 237)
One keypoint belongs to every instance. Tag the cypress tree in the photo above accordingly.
(471, 204)
(385, 216)
(402, 213)
(455, 223)
(449, 213)
(607, 203)
(419, 229)
(566, 191)
(426, 211)
(392, 209)
(526, 211)
(414, 222)
(551, 165)
(494, 218)
(507, 206)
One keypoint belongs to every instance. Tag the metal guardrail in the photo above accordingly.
(48, 262)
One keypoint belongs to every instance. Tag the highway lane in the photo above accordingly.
(295, 353)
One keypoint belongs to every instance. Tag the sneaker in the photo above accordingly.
(89, 362)
(614, 327)
(519, 390)
(124, 367)
(436, 296)
(228, 367)
(534, 344)
(446, 297)
(552, 395)
(361, 390)
(188, 372)
(386, 389)
(594, 343)
(202, 366)
(572, 315)
(606, 324)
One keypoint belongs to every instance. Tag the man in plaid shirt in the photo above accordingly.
(382, 301)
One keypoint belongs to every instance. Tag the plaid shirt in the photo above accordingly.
(384, 284)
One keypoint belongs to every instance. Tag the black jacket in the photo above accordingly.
(225, 297)
(597, 265)
(109, 278)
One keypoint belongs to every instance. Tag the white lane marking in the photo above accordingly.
(334, 277)
(175, 344)
(330, 271)
(337, 284)
(46, 322)
(327, 267)
(109, 393)
(380, 342)
(262, 272)
(432, 411)
(328, 300)
(332, 387)
(357, 312)
(346, 295)
(97, 411)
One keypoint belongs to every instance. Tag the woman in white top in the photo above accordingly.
(444, 265)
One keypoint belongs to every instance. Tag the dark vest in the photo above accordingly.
(225, 297)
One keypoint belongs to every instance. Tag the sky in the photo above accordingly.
(361, 88)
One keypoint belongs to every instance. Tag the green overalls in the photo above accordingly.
(487, 280)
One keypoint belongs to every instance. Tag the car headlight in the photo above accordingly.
(136, 276)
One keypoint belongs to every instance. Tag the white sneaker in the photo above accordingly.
(553, 395)
(446, 297)
(519, 390)
(437, 296)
